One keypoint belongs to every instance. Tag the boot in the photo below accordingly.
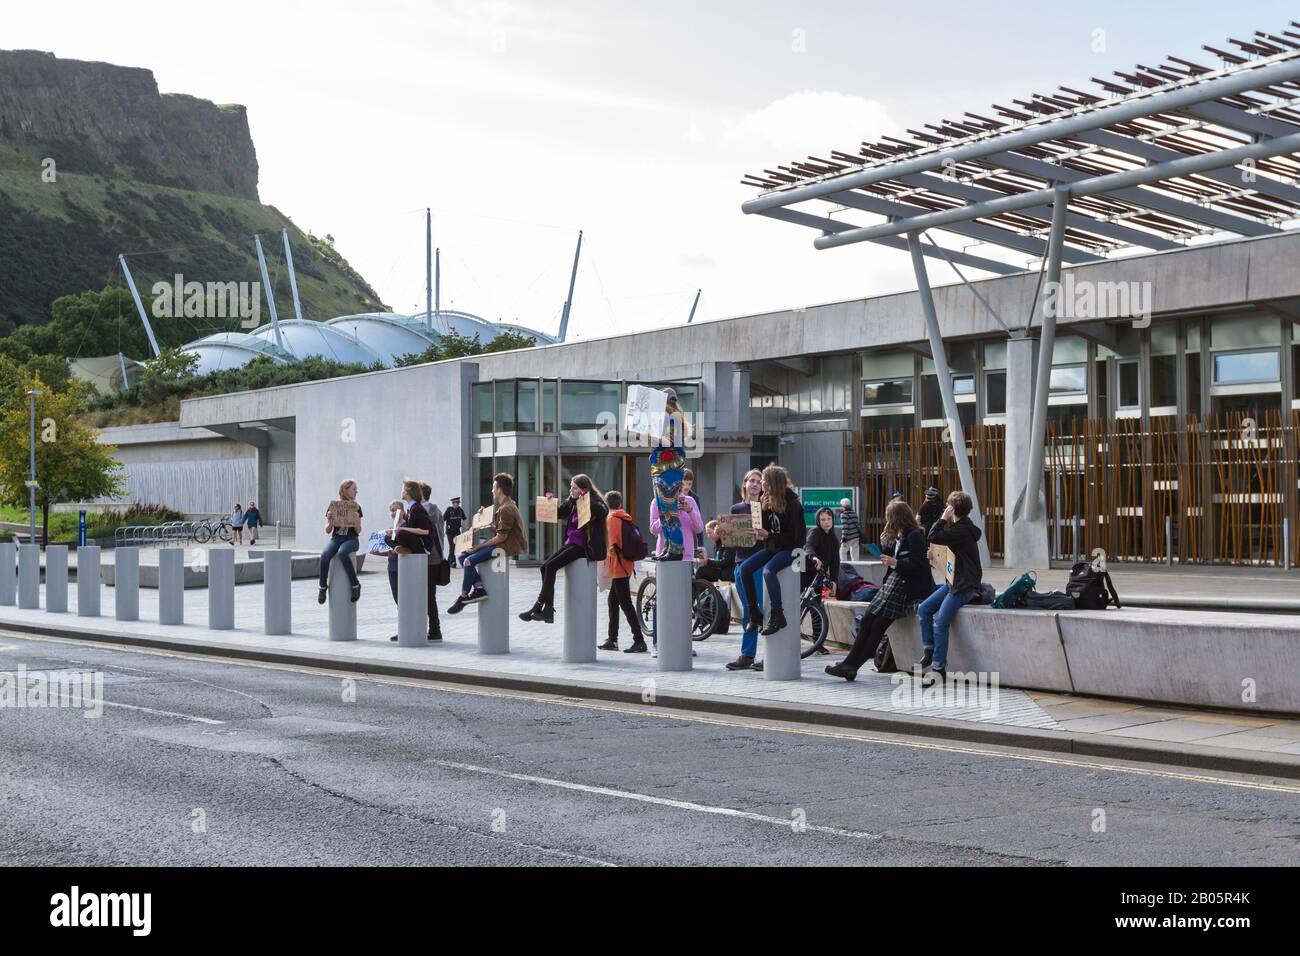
(775, 622)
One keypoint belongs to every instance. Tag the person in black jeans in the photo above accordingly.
(439, 569)
(823, 546)
(343, 543)
(907, 582)
(587, 542)
(454, 516)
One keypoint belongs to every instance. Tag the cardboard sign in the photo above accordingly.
(482, 518)
(465, 541)
(377, 544)
(343, 514)
(756, 515)
(644, 413)
(736, 531)
(547, 510)
(941, 561)
(584, 510)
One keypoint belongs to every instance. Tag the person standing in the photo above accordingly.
(621, 570)
(439, 569)
(931, 509)
(253, 521)
(237, 525)
(454, 517)
(508, 534)
(955, 531)
(343, 543)
(850, 530)
(587, 542)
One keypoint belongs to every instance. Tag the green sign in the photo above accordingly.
(814, 499)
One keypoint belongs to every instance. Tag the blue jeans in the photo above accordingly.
(749, 640)
(768, 564)
(934, 615)
(341, 547)
(470, 563)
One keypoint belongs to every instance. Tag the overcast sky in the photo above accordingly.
(520, 122)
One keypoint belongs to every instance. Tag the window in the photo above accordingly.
(1193, 361)
(526, 414)
(766, 450)
(896, 391)
(875, 423)
(1068, 380)
(882, 365)
(1239, 368)
(581, 404)
(1250, 332)
(548, 406)
(995, 355)
(482, 402)
(1295, 362)
(506, 413)
(963, 385)
(995, 392)
(1069, 350)
(1164, 369)
(1130, 393)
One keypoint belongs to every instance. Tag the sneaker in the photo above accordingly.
(458, 605)
(775, 622)
(638, 647)
(742, 663)
(609, 645)
(322, 595)
(840, 670)
(926, 660)
(654, 651)
(935, 675)
(757, 666)
(475, 596)
(356, 593)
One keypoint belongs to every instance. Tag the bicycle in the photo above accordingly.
(707, 607)
(812, 608)
(210, 528)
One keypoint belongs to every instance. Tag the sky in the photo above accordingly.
(519, 122)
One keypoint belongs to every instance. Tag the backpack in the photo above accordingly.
(1014, 596)
(1051, 601)
(633, 547)
(1091, 588)
(884, 659)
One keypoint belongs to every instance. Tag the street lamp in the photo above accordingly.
(31, 470)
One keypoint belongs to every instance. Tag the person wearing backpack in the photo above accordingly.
(955, 531)
(625, 542)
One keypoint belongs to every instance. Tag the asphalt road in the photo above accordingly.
(201, 762)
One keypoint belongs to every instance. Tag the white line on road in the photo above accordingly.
(163, 713)
(794, 824)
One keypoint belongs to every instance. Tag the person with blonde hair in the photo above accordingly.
(344, 542)
(751, 490)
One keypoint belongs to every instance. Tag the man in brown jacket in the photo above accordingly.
(508, 534)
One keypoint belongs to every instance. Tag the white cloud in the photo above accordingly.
(813, 122)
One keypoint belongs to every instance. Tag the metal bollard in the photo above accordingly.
(580, 612)
(342, 609)
(221, 589)
(494, 613)
(673, 613)
(88, 581)
(56, 578)
(277, 592)
(29, 575)
(8, 573)
(781, 659)
(126, 584)
(412, 600)
(171, 586)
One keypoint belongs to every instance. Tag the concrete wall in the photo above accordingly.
(191, 471)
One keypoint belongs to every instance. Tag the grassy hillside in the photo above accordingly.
(63, 237)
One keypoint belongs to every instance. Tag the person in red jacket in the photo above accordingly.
(620, 578)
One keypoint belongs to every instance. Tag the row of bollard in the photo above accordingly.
(673, 606)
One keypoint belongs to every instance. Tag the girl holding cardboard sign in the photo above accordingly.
(343, 525)
(582, 539)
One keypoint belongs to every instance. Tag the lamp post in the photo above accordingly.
(31, 470)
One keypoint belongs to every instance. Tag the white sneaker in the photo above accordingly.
(654, 651)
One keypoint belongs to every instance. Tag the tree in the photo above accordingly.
(171, 365)
(70, 464)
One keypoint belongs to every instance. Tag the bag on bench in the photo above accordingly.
(1091, 588)
(1014, 596)
(1051, 601)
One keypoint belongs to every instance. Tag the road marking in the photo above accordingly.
(163, 713)
(663, 714)
(791, 824)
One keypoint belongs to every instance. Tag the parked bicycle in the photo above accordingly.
(812, 609)
(212, 529)
(709, 612)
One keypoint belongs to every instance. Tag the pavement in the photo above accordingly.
(1236, 742)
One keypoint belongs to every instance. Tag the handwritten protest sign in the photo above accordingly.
(735, 531)
(377, 544)
(482, 518)
(343, 514)
(584, 510)
(941, 561)
(755, 515)
(465, 541)
(547, 510)
(645, 411)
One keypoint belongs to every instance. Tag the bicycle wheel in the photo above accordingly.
(224, 532)
(645, 603)
(706, 611)
(820, 628)
(202, 534)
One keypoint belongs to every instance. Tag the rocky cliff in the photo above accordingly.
(101, 118)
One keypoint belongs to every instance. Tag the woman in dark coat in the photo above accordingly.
(823, 550)
(587, 542)
(907, 583)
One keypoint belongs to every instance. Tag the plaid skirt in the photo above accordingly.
(891, 601)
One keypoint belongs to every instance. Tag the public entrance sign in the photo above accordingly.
(814, 499)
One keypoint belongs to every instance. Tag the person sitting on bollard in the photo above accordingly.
(508, 534)
(751, 490)
(621, 570)
(343, 543)
(237, 525)
(586, 542)
(413, 536)
(782, 532)
(907, 582)
(959, 534)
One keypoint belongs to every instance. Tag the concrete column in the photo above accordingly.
(1026, 540)
(171, 586)
(56, 578)
(580, 612)
(413, 600)
(88, 580)
(29, 575)
(126, 584)
(277, 592)
(781, 659)
(342, 609)
(494, 613)
(8, 573)
(673, 614)
(221, 589)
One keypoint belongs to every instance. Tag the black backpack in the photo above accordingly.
(884, 659)
(633, 546)
(1091, 588)
(1051, 601)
